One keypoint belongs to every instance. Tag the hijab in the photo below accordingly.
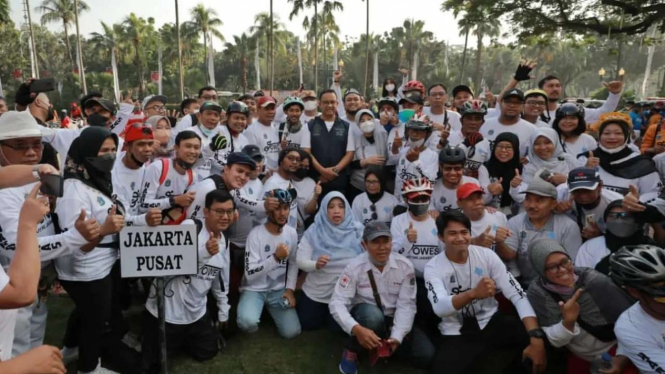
(377, 171)
(559, 162)
(84, 148)
(337, 241)
(505, 170)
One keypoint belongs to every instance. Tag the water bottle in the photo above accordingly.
(603, 362)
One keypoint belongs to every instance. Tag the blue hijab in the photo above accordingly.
(337, 241)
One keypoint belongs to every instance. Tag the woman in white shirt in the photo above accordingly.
(375, 204)
(371, 149)
(569, 123)
(546, 152)
(325, 250)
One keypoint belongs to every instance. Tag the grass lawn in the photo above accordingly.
(264, 352)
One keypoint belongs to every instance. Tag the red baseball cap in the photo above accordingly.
(264, 101)
(467, 189)
(137, 131)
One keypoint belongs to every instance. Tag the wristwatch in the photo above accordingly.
(35, 172)
(172, 201)
(335, 170)
(537, 333)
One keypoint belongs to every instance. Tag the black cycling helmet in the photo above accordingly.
(237, 107)
(283, 196)
(639, 266)
(452, 155)
(253, 151)
(569, 109)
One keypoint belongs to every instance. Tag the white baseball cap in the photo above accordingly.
(15, 125)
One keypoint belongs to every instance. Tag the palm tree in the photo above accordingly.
(412, 37)
(241, 49)
(136, 31)
(465, 26)
(206, 22)
(104, 43)
(260, 31)
(61, 11)
(484, 25)
(4, 11)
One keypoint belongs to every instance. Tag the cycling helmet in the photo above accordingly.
(639, 266)
(473, 107)
(419, 121)
(253, 151)
(390, 101)
(415, 86)
(569, 109)
(283, 196)
(452, 155)
(293, 100)
(415, 187)
(237, 107)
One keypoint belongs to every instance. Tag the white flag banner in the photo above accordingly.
(483, 88)
(159, 68)
(375, 76)
(299, 59)
(257, 66)
(415, 66)
(32, 59)
(116, 82)
(211, 66)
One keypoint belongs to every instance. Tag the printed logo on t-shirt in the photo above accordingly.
(167, 183)
(491, 132)
(132, 185)
(251, 192)
(443, 200)
(452, 279)
(434, 232)
(478, 271)
(100, 200)
(267, 248)
(265, 136)
(344, 281)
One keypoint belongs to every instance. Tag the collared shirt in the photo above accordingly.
(396, 286)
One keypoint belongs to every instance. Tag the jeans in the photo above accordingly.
(314, 315)
(251, 305)
(415, 348)
(30, 327)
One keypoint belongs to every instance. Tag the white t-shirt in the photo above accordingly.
(426, 166)
(263, 272)
(156, 195)
(362, 208)
(218, 159)
(443, 198)
(446, 279)
(305, 190)
(426, 245)
(306, 140)
(641, 339)
(591, 252)
(583, 144)
(595, 214)
(523, 129)
(247, 218)
(127, 189)
(495, 220)
(7, 323)
(203, 165)
(266, 138)
(454, 118)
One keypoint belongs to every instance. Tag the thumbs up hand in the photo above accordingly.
(502, 234)
(113, 223)
(34, 208)
(318, 189)
(270, 203)
(486, 239)
(517, 179)
(496, 188)
(591, 161)
(631, 201)
(89, 229)
(212, 245)
(397, 142)
(411, 234)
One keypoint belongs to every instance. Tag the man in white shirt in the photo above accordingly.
(271, 272)
(437, 112)
(289, 162)
(510, 120)
(462, 282)
(229, 138)
(290, 134)
(206, 94)
(375, 303)
(262, 132)
(640, 270)
(188, 325)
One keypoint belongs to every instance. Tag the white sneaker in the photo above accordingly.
(69, 355)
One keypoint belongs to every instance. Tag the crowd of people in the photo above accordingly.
(429, 226)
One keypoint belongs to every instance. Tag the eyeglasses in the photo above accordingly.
(209, 97)
(373, 209)
(293, 158)
(515, 103)
(221, 212)
(24, 147)
(504, 147)
(328, 103)
(535, 103)
(437, 94)
(618, 215)
(453, 168)
(565, 264)
(371, 182)
(159, 108)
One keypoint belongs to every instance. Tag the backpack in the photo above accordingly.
(195, 119)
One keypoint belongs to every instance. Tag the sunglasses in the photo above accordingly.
(619, 215)
(374, 216)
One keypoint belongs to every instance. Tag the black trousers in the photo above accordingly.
(468, 353)
(198, 339)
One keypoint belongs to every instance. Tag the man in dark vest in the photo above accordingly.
(330, 142)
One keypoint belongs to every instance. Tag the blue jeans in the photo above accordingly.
(314, 315)
(415, 348)
(251, 305)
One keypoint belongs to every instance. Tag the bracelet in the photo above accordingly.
(35, 172)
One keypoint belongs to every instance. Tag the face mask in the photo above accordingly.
(102, 163)
(390, 87)
(301, 173)
(622, 228)
(417, 143)
(96, 119)
(367, 127)
(418, 209)
(49, 114)
(195, 111)
(208, 133)
(185, 165)
(310, 105)
(406, 114)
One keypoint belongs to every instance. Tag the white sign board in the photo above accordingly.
(158, 251)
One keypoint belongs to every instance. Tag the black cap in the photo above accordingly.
(210, 105)
(514, 93)
(462, 88)
(351, 91)
(104, 103)
(583, 179)
(375, 229)
(253, 151)
(240, 158)
(412, 97)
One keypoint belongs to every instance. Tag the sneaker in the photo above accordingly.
(132, 341)
(349, 363)
(69, 355)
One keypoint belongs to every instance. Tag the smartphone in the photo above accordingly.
(52, 185)
(42, 85)
(589, 220)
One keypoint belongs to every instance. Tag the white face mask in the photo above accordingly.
(195, 111)
(417, 143)
(390, 87)
(310, 105)
(367, 127)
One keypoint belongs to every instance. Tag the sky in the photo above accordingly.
(239, 16)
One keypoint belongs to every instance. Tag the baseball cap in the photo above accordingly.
(240, 158)
(264, 101)
(514, 93)
(465, 190)
(138, 131)
(462, 88)
(210, 105)
(351, 91)
(583, 179)
(541, 188)
(412, 97)
(149, 99)
(308, 94)
(253, 151)
(14, 125)
(104, 103)
(375, 229)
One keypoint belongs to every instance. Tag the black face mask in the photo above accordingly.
(49, 114)
(301, 173)
(102, 163)
(185, 165)
(96, 119)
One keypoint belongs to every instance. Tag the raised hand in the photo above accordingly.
(496, 188)
(631, 201)
(282, 251)
(212, 245)
(153, 217)
(517, 179)
(484, 289)
(89, 229)
(411, 234)
(591, 161)
(570, 310)
(34, 208)
(486, 239)
(322, 261)
(113, 223)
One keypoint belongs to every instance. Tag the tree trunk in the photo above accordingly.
(243, 66)
(366, 51)
(466, 43)
(316, 47)
(205, 55)
(139, 76)
(69, 46)
(479, 53)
